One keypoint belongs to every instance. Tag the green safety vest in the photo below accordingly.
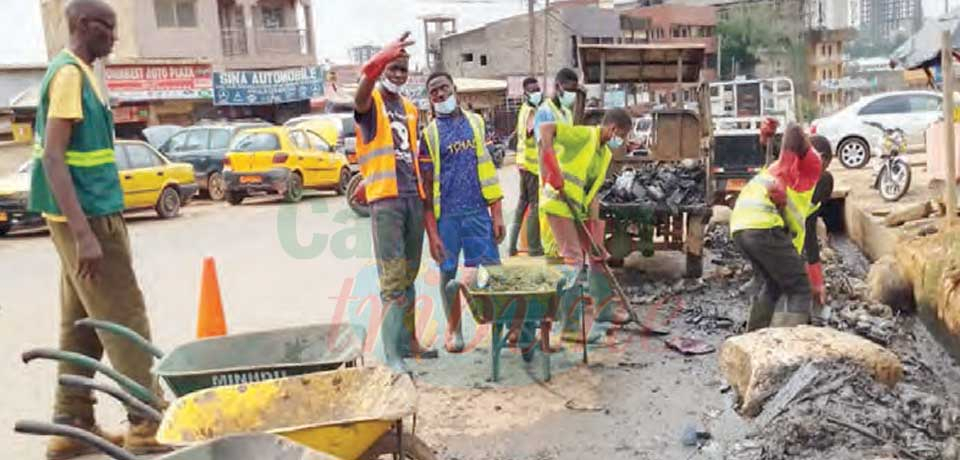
(486, 171)
(575, 166)
(755, 211)
(527, 145)
(89, 156)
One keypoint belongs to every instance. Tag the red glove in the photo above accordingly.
(360, 194)
(376, 65)
(815, 274)
(767, 129)
(777, 194)
(551, 170)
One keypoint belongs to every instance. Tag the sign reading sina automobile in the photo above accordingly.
(131, 83)
(246, 87)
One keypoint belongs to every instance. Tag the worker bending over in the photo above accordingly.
(574, 163)
(768, 224)
(462, 212)
(386, 151)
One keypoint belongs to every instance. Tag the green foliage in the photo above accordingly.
(746, 34)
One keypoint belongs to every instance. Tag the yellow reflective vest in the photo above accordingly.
(583, 163)
(486, 171)
(527, 151)
(755, 211)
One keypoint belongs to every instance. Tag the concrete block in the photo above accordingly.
(757, 364)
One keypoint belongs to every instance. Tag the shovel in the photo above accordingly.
(617, 289)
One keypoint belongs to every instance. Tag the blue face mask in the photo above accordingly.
(447, 106)
(568, 98)
(615, 142)
(535, 98)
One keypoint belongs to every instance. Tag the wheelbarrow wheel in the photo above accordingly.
(413, 448)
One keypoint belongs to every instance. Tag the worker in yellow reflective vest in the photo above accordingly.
(462, 212)
(528, 162)
(574, 163)
(768, 224)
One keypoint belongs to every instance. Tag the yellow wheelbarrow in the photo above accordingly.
(350, 413)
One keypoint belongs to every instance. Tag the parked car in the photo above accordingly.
(149, 180)
(282, 160)
(855, 142)
(346, 130)
(204, 147)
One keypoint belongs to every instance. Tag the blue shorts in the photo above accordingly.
(471, 233)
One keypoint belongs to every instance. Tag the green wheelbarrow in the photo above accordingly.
(232, 359)
(529, 307)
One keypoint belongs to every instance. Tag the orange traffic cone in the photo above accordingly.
(210, 319)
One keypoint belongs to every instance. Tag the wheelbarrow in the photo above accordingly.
(349, 413)
(253, 446)
(529, 308)
(234, 359)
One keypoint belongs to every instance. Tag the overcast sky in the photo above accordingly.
(340, 24)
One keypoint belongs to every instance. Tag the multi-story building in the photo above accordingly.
(176, 61)
(825, 66)
(887, 19)
(361, 54)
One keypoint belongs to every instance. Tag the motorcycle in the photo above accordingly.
(892, 173)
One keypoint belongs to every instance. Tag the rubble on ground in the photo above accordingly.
(657, 184)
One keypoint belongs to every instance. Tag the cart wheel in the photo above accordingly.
(694, 266)
(615, 262)
(413, 448)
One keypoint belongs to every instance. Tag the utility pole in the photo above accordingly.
(546, 38)
(949, 141)
(719, 57)
(533, 30)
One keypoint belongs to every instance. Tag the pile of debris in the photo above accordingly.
(658, 185)
(838, 411)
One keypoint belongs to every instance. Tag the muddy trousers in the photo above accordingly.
(113, 296)
(398, 248)
(784, 298)
(529, 199)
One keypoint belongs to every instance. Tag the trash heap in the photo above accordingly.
(658, 184)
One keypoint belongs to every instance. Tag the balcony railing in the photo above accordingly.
(234, 42)
(282, 41)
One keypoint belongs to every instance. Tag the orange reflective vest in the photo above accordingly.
(378, 158)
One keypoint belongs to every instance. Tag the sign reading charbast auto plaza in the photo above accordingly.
(247, 87)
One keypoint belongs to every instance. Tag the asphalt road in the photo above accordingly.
(279, 265)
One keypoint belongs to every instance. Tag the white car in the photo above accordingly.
(854, 142)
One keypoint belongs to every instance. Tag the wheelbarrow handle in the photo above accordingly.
(132, 404)
(85, 361)
(122, 331)
(54, 429)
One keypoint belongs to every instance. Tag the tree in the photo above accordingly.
(747, 33)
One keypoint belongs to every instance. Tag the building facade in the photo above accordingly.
(888, 19)
(362, 54)
(177, 61)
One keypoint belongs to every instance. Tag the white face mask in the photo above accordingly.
(447, 106)
(615, 142)
(568, 98)
(391, 86)
(535, 98)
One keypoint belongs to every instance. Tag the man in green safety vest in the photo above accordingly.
(528, 162)
(574, 162)
(76, 186)
(463, 207)
(768, 224)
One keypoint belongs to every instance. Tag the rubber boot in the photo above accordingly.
(141, 439)
(795, 311)
(571, 306)
(611, 309)
(761, 312)
(63, 448)
(451, 297)
(788, 319)
(393, 337)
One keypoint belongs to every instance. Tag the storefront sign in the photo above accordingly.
(130, 114)
(267, 87)
(159, 82)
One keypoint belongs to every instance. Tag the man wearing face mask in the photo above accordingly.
(462, 211)
(575, 164)
(528, 161)
(386, 151)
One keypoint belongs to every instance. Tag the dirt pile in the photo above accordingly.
(511, 278)
(838, 411)
(655, 184)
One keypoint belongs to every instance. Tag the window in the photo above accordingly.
(711, 60)
(318, 143)
(175, 143)
(349, 127)
(219, 138)
(141, 156)
(299, 140)
(466, 57)
(483, 60)
(252, 142)
(175, 13)
(272, 17)
(925, 104)
(886, 105)
(120, 156)
(197, 140)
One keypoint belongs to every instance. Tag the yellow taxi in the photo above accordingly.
(149, 180)
(284, 161)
